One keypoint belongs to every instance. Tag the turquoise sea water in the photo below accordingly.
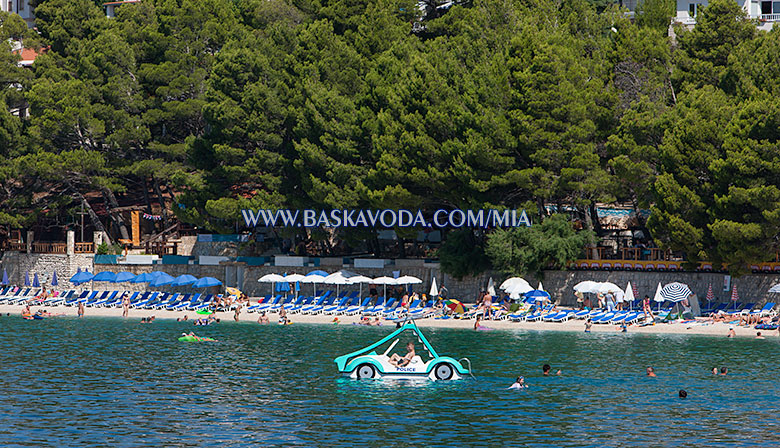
(110, 382)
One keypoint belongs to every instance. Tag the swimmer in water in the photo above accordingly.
(546, 370)
(650, 372)
(724, 371)
(519, 383)
(758, 335)
(731, 333)
(714, 370)
(588, 325)
(478, 326)
(682, 393)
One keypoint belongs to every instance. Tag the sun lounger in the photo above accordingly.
(323, 303)
(109, 296)
(333, 308)
(377, 307)
(767, 310)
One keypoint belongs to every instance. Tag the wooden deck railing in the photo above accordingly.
(19, 246)
(49, 248)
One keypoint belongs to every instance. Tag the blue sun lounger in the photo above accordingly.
(371, 309)
(321, 304)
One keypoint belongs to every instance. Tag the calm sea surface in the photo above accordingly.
(109, 382)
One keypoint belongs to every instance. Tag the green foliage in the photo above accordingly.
(109, 249)
(463, 254)
(355, 104)
(523, 250)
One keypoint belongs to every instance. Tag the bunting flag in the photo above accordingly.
(152, 217)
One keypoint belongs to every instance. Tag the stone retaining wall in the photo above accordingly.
(17, 264)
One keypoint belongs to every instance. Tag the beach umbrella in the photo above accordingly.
(359, 280)
(434, 290)
(233, 291)
(676, 292)
(734, 295)
(658, 297)
(105, 276)
(125, 276)
(271, 278)
(338, 278)
(27, 278)
(630, 296)
(183, 280)
(587, 286)
(314, 277)
(292, 278)
(81, 277)
(5, 277)
(147, 277)
(605, 287)
(711, 295)
(491, 287)
(540, 287)
(384, 281)
(54, 281)
(537, 295)
(78, 269)
(206, 282)
(36, 283)
(455, 305)
(512, 283)
(408, 280)
(161, 280)
(774, 289)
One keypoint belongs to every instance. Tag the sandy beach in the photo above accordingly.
(574, 325)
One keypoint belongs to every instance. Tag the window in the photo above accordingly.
(20, 5)
(766, 7)
(10, 6)
(775, 7)
(692, 9)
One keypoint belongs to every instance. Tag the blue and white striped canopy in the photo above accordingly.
(675, 292)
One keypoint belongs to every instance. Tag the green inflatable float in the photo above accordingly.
(190, 338)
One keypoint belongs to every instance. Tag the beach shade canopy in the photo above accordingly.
(711, 295)
(385, 281)
(511, 283)
(455, 305)
(338, 278)
(587, 286)
(314, 277)
(658, 297)
(5, 277)
(605, 287)
(434, 289)
(27, 278)
(105, 276)
(537, 295)
(233, 292)
(774, 289)
(540, 287)
(147, 277)
(360, 279)
(271, 278)
(629, 297)
(125, 276)
(183, 280)
(676, 292)
(206, 282)
(161, 280)
(81, 277)
(408, 280)
(54, 281)
(293, 278)
(36, 283)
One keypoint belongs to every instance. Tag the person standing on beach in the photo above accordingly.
(238, 311)
(81, 309)
(646, 307)
(125, 305)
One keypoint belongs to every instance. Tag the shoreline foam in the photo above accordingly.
(574, 325)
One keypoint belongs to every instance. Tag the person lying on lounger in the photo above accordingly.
(403, 361)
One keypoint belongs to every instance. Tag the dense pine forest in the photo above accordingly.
(220, 105)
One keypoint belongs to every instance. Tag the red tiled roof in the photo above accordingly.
(29, 54)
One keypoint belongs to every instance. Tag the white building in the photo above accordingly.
(767, 12)
(21, 7)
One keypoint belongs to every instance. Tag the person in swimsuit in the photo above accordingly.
(650, 372)
(588, 325)
(125, 305)
(478, 326)
(519, 383)
(399, 361)
(646, 307)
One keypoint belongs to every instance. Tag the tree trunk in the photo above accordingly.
(93, 217)
(163, 211)
(591, 240)
(111, 203)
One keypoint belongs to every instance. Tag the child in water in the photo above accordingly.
(519, 383)
(588, 325)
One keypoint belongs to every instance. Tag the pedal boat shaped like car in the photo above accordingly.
(367, 364)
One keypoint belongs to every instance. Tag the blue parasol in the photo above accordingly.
(36, 283)
(105, 276)
(27, 278)
(54, 281)
(122, 277)
(5, 277)
(161, 280)
(206, 282)
(183, 280)
(81, 277)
